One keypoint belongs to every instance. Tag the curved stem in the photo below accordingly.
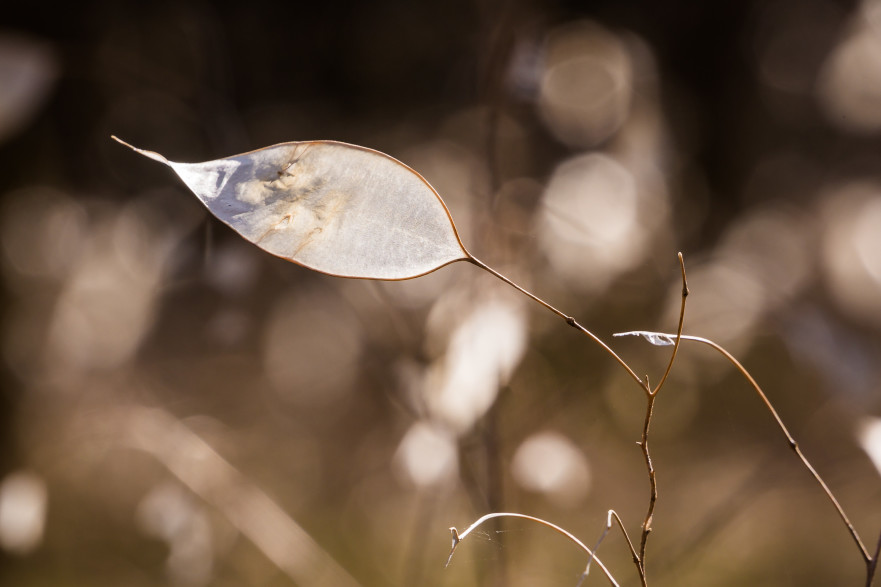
(678, 328)
(868, 559)
(569, 319)
(651, 395)
(457, 538)
(614, 515)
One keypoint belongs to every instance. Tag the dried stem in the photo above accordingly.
(678, 328)
(569, 319)
(457, 538)
(653, 484)
(614, 515)
(792, 443)
(651, 394)
(868, 559)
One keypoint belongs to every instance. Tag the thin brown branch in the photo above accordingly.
(653, 483)
(614, 515)
(651, 395)
(678, 328)
(457, 538)
(569, 319)
(664, 338)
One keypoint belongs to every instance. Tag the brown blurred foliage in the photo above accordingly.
(180, 408)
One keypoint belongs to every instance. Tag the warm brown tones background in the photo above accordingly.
(178, 406)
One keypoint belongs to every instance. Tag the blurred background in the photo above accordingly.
(180, 408)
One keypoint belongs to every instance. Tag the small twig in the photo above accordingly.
(611, 515)
(653, 483)
(679, 328)
(151, 154)
(569, 319)
(663, 338)
(651, 395)
(457, 538)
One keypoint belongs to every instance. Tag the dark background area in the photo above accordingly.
(178, 407)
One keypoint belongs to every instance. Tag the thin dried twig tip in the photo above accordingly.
(685, 291)
(456, 539)
(151, 154)
(119, 140)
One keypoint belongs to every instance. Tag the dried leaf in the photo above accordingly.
(332, 207)
(655, 338)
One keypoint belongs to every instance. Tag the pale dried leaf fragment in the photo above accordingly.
(332, 207)
(655, 338)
